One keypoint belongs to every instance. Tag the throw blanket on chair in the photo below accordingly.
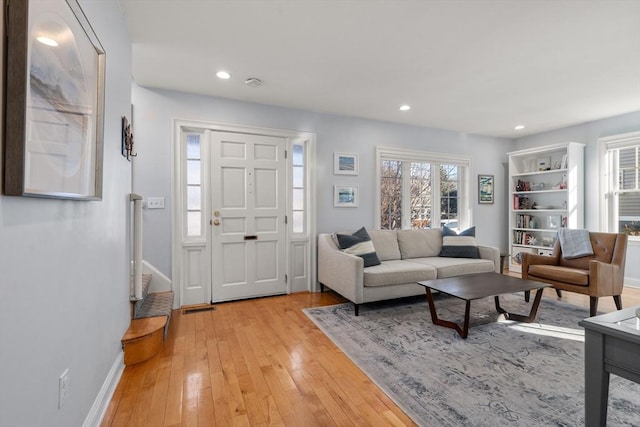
(575, 243)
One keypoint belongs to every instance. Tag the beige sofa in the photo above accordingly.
(407, 257)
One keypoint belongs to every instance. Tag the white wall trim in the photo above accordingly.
(632, 283)
(101, 403)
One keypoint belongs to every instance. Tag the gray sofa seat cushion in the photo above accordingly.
(397, 272)
(386, 244)
(420, 243)
(450, 267)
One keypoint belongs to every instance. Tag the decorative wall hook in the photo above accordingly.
(127, 140)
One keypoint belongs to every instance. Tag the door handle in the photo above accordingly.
(215, 222)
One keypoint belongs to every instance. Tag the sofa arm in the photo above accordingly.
(605, 279)
(342, 272)
(491, 253)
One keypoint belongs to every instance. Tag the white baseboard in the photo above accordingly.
(100, 405)
(634, 283)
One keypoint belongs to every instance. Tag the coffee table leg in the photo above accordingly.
(464, 331)
(520, 318)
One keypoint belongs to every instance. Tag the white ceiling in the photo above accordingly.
(473, 66)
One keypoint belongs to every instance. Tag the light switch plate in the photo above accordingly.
(155, 203)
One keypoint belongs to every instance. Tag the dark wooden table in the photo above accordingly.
(470, 287)
(611, 346)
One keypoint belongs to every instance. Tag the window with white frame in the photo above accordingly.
(193, 183)
(621, 172)
(298, 188)
(421, 190)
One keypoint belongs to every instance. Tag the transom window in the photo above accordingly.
(421, 190)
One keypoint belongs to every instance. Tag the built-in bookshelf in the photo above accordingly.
(547, 193)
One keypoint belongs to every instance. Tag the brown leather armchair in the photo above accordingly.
(597, 275)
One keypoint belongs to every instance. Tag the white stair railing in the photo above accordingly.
(137, 246)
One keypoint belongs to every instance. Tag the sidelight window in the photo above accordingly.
(193, 184)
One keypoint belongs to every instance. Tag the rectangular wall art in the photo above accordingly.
(54, 102)
(485, 189)
(345, 164)
(345, 196)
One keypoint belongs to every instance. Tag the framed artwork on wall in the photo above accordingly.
(54, 102)
(345, 164)
(345, 196)
(485, 189)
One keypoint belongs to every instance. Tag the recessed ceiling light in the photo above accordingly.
(48, 41)
(223, 75)
(519, 127)
(405, 107)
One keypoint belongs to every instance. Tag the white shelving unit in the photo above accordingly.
(547, 193)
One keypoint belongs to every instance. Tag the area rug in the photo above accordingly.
(504, 373)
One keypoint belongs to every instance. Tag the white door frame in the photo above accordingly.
(188, 255)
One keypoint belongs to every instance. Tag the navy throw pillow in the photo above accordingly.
(359, 244)
(459, 245)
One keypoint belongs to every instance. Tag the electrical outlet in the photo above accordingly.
(63, 388)
(155, 203)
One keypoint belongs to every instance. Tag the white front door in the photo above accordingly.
(248, 208)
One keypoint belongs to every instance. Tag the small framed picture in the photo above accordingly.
(345, 164)
(554, 221)
(485, 189)
(543, 163)
(345, 196)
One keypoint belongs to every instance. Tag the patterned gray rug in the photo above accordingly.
(505, 373)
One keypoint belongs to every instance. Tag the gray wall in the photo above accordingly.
(588, 133)
(155, 110)
(64, 277)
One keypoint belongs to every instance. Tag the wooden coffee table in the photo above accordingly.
(475, 286)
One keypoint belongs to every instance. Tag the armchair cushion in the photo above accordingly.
(556, 273)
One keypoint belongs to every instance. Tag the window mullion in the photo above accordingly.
(406, 194)
(435, 195)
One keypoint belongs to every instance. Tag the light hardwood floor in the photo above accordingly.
(261, 362)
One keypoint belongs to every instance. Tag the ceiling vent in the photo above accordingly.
(253, 82)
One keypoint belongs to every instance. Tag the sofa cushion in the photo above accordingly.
(359, 244)
(386, 244)
(419, 243)
(397, 272)
(557, 273)
(462, 245)
(449, 267)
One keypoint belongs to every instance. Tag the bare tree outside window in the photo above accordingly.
(449, 186)
(418, 209)
(391, 195)
(420, 195)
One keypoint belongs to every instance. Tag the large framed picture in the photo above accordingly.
(485, 189)
(345, 164)
(345, 196)
(55, 72)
